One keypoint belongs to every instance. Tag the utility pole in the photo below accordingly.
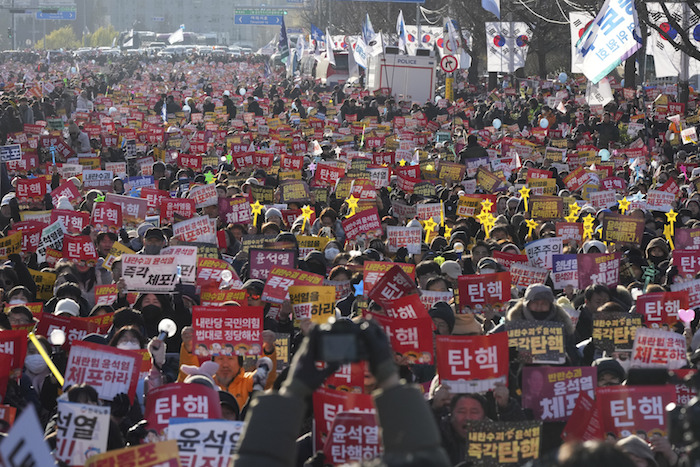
(683, 77)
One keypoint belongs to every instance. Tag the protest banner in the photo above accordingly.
(615, 330)
(80, 249)
(374, 270)
(394, 284)
(523, 275)
(117, 250)
(427, 211)
(314, 302)
(508, 259)
(180, 400)
(227, 330)
(81, 431)
(327, 403)
(656, 348)
(602, 199)
(692, 289)
(545, 187)
(502, 443)
(107, 217)
(211, 273)
(235, 210)
(477, 290)
(176, 209)
(688, 263)
(215, 296)
(30, 191)
(73, 221)
(411, 337)
(280, 279)
(10, 245)
(97, 180)
(204, 442)
(133, 209)
(470, 364)
(564, 271)
(204, 195)
(13, 343)
(51, 237)
(262, 260)
(353, 437)
(470, 205)
(404, 237)
(684, 389)
(552, 392)
(350, 377)
(540, 252)
(570, 231)
(160, 454)
(10, 152)
(598, 268)
(308, 243)
(75, 329)
(623, 229)
(584, 422)
(7, 416)
(294, 191)
(24, 444)
(109, 370)
(196, 229)
(687, 239)
(630, 410)
(660, 309)
(537, 341)
(364, 225)
(149, 273)
(658, 200)
(186, 261)
(429, 298)
(546, 207)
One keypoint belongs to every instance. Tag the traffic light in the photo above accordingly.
(9, 33)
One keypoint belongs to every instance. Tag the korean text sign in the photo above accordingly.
(472, 363)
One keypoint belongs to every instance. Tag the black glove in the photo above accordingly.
(304, 378)
(381, 356)
(120, 405)
(137, 433)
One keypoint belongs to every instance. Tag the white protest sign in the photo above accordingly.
(408, 237)
(214, 440)
(24, 445)
(204, 195)
(51, 237)
(149, 273)
(656, 348)
(539, 253)
(197, 229)
(186, 259)
(82, 431)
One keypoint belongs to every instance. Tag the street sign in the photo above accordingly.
(448, 63)
(158, 19)
(239, 11)
(260, 20)
(60, 15)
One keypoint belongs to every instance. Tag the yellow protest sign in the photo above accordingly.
(313, 301)
(117, 250)
(10, 245)
(44, 283)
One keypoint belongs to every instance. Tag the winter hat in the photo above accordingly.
(272, 212)
(443, 310)
(594, 244)
(67, 305)
(609, 365)
(64, 203)
(451, 269)
(538, 292)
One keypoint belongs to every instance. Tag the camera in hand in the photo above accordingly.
(341, 342)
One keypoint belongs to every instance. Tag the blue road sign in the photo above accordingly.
(61, 15)
(260, 20)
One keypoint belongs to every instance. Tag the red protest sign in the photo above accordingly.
(364, 224)
(660, 309)
(476, 290)
(227, 330)
(79, 248)
(350, 377)
(688, 263)
(73, 221)
(570, 231)
(328, 403)
(209, 272)
(584, 423)
(410, 338)
(109, 370)
(472, 363)
(394, 284)
(551, 392)
(598, 268)
(153, 197)
(30, 190)
(67, 189)
(107, 217)
(183, 208)
(74, 328)
(180, 400)
(374, 270)
(353, 437)
(133, 209)
(627, 410)
(328, 173)
(14, 344)
(508, 259)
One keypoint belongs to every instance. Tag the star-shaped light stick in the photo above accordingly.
(486, 205)
(525, 194)
(588, 226)
(671, 219)
(623, 205)
(256, 209)
(402, 162)
(531, 225)
(448, 231)
(306, 212)
(668, 233)
(352, 205)
(429, 226)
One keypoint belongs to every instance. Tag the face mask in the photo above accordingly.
(151, 249)
(35, 363)
(17, 301)
(151, 315)
(331, 253)
(129, 345)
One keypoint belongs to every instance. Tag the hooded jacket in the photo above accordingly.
(519, 312)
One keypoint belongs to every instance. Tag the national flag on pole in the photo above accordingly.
(318, 38)
(493, 6)
(613, 37)
(329, 48)
(177, 36)
(368, 34)
(401, 31)
(506, 46)
(301, 46)
(283, 46)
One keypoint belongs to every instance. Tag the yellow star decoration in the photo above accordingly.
(352, 205)
(486, 205)
(448, 232)
(574, 209)
(306, 212)
(571, 217)
(256, 209)
(671, 219)
(588, 226)
(623, 205)
(429, 226)
(525, 194)
(429, 168)
(487, 220)
(402, 162)
(531, 225)
(668, 233)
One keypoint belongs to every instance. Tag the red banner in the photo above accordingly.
(73, 221)
(14, 344)
(472, 363)
(394, 284)
(628, 410)
(328, 403)
(660, 309)
(227, 330)
(180, 400)
(480, 289)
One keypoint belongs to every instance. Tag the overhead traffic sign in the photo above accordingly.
(449, 63)
(59, 15)
(260, 20)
